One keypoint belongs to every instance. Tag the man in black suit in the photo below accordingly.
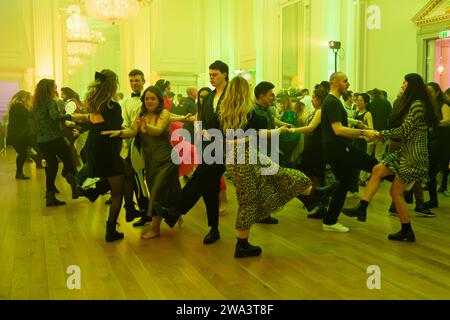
(205, 182)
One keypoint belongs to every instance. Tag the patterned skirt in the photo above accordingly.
(262, 191)
(405, 170)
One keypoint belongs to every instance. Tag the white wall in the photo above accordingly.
(392, 51)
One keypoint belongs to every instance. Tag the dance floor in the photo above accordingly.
(41, 249)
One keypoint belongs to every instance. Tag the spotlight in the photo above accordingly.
(334, 45)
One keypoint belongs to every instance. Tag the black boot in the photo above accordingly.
(318, 195)
(170, 215)
(142, 221)
(76, 193)
(111, 232)
(212, 236)
(360, 211)
(405, 234)
(51, 200)
(131, 212)
(245, 249)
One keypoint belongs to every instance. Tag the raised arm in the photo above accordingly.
(315, 122)
(445, 116)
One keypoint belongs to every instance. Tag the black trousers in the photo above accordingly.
(438, 158)
(52, 150)
(343, 161)
(21, 146)
(205, 183)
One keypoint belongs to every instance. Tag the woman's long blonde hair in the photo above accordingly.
(236, 105)
(101, 91)
(20, 97)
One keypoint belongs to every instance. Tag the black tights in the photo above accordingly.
(117, 189)
(22, 154)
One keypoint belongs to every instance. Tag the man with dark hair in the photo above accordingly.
(205, 183)
(133, 161)
(326, 85)
(264, 98)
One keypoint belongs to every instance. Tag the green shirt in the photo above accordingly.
(48, 119)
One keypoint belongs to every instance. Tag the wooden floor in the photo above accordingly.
(299, 261)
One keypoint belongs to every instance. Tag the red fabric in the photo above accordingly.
(188, 161)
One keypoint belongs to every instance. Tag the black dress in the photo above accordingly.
(104, 152)
(313, 163)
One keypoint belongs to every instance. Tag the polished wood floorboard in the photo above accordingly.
(299, 261)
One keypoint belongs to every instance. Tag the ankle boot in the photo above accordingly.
(318, 195)
(51, 200)
(405, 234)
(131, 212)
(111, 232)
(356, 212)
(245, 249)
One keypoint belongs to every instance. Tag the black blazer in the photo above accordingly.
(209, 118)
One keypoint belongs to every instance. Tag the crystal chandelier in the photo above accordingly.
(113, 11)
(81, 41)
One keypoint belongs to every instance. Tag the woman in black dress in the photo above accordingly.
(104, 153)
(21, 134)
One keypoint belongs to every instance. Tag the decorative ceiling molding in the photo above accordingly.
(435, 11)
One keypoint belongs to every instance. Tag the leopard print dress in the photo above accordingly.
(262, 188)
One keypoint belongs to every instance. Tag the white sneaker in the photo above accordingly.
(89, 183)
(337, 227)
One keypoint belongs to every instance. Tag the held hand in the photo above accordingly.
(284, 129)
(75, 132)
(372, 135)
(137, 122)
(288, 125)
(78, 117)
(112, 133)
(69, 124)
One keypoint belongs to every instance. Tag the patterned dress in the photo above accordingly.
(260, 191)
(410, 163)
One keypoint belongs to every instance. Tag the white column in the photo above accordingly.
(267, 41)
(141, 33)
(43, 39)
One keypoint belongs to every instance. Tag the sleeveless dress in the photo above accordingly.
(260, 191)
(161, 171)
(313, 162)
(103, 152)
(360, 144)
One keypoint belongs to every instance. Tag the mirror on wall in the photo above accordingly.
(290, 50)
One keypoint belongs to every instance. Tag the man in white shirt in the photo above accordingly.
(134, 163)
(307, 100)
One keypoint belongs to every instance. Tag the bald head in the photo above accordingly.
(336, 77)
(339, 83)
